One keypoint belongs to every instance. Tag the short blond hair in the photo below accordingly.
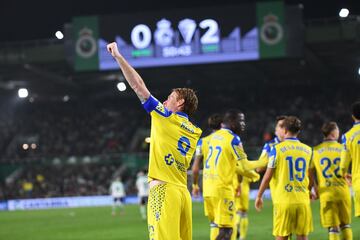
(190, 100)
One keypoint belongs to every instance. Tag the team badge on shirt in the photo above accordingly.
(160, 108)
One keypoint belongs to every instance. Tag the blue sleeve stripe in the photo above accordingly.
(272, 156)
(236, 140)
(273, 152)
(199, 142)
(343, 139)
(153, 104)
(150, 104)
(267, 147)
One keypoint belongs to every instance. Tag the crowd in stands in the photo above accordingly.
(63, 131)
(42, 181)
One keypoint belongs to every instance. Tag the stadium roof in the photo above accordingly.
(28, 20)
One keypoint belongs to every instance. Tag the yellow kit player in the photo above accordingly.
(226, 158)
(242, 205)
(351, 154)
(279, 136)
(288, 169)
(172, 145)
(242, 200)
(201, 153)
(335, 200)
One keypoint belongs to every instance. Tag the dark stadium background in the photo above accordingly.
(104, 130)
(24, 20)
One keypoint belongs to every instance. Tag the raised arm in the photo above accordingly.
(131, 76)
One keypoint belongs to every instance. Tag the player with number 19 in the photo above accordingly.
(172, 145)
(288, 168)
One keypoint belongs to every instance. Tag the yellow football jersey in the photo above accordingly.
(264, 157)
(291, 160)
(326, 160)
(221, 161)
(202, 146)
(172, 145)
(202, 150)
(351, 154)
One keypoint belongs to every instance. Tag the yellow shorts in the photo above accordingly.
(335, 213)
(224, 211)
(169, 213)
(357, 203)
(209, 208)
(292, 219)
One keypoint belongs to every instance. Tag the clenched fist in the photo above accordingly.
(113, 49)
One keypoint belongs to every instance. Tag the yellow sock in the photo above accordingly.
(334, 234)
(214, 231)
(244, 222)
(347, 233)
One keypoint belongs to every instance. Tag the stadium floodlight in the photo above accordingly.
(33, 146)
(344, 12)
(121, 86)
(25, 146)
(359, 70)
(147, 139)
(23, 93)
(59, 35)
(66, 98)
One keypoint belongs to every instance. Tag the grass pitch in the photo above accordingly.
(97, 223)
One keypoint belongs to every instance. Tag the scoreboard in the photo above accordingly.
(184, 36)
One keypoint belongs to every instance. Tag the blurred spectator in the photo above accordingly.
(65, 180)
(27, 188)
